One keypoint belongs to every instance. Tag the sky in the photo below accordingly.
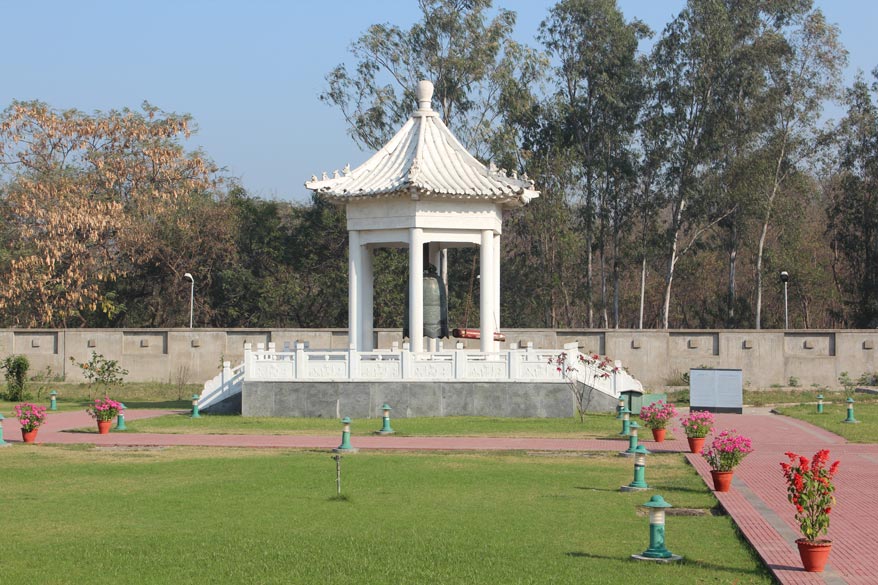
(250, 72)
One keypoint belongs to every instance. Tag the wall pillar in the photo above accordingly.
(416, 289)
(486, 290)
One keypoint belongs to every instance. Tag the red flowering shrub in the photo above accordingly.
(810, 489)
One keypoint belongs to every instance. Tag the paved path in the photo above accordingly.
(757, 502)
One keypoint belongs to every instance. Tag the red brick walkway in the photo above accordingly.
(757, 502)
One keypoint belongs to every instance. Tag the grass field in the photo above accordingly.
(133, 394)
(833, 414)
(595, 426)
(80, 515)
(779, 396)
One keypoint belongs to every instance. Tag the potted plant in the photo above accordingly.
(725, 453)
(810, 489)
(30, 417)
(697, 425)
(103, 411)
(657, 416)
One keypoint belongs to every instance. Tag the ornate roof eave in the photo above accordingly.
(507, 200)
(424, 160)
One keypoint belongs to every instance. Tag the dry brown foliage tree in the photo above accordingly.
(81, 194)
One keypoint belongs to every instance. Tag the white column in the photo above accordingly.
(355, 268)
(416, 289)
(443, 268)
(486, 290)
(435, 260)
(497, 287)
(367, 301)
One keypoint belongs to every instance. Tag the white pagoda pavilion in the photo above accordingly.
(422, 191)
(423, 187)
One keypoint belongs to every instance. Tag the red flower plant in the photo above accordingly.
(810, 489)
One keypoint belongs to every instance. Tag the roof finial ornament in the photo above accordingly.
(347, 169)
(425, 95)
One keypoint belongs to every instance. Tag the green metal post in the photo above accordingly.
(53, 403)
(626, 421)
(820, 404)
(2, 442)
(195, 407)
(639, 482)
(850, 418)
(657, 549)
(120, 420)
(345, 446)
(385, 428)
(632, 438)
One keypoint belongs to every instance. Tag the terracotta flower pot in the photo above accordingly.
(659, 435)
(722, 480)
(695, 444)
(814, 554)
(29, 436)
(104, 426)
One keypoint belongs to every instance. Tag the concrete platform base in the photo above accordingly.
(411, 399)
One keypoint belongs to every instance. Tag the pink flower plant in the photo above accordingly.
(658, 414)
(104, 409)
(727, 451)
(30, 416)
(697, 424)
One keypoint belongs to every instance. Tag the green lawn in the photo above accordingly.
(133, 394)
(779, 396)
(833, 414)
(595, 426)
(80, 515)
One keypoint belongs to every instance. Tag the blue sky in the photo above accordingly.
(250, 72)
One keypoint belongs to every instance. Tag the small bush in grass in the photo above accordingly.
(16, 367)
(100, 372)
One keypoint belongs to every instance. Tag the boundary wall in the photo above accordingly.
(655, 357)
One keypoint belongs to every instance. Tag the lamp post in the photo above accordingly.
(626, 421)
(639, 482)
(850, 418)
(657, 550)
(820, 404)
(2, 442)
(345, 446)
(53, 400)
(195, 414)
(191, 298)
(120, 419)
(784, 278)
(385, 428)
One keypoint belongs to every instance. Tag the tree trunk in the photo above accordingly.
(733, 259)
(672, 261)
(642, 289)
(759, 271)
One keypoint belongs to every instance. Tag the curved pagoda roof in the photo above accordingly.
(425, 159)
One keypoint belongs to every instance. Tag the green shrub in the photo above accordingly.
(16, 367)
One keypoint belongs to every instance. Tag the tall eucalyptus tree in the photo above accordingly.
(597, 80)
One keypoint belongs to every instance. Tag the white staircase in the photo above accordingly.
(227, 383)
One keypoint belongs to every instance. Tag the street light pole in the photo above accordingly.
(191, 298)
(784, 278)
